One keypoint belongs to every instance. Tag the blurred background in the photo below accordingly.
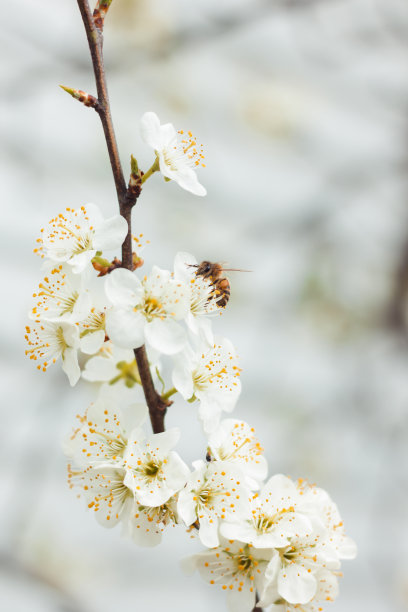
(302, 108)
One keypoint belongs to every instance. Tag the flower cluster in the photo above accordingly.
(286, 545)
(280, 540)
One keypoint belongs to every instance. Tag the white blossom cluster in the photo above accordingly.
(280, 540)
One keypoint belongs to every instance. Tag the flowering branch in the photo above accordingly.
(278, 542)
(127, 196)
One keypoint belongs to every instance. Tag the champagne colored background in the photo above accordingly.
(302, 109)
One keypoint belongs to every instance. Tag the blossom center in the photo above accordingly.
(72, 229)
(95, 322)
(204, 375)
(244, 563)
(163, 514)
(152, 308)
(150, 469)
(264, 523)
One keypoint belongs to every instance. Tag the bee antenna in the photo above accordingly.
(192, 265)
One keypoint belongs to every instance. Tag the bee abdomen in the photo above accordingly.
(222, 287)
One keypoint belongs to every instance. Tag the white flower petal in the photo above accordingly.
(210, 415)
(93, 213)
(110, 233)
(163, 442)
(98, 369)
(177, 472)
(269, 593)
(296, 584)
(70, 365)
(168, 135)
(166, 336)
(70, 333)
(208, 532)
(186, 508)
(184, 268)
(155, 495)
(241, 601)
(123, 288)
(205, 330)
(125, 327)
(80, 261)
(241, 531)
(150, 130)
(182, 379)
(144, 532)
(188, 180)
(91, 343)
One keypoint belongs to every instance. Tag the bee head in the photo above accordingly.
(204, 267)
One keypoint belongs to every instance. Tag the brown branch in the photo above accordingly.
(156, 404)
(127, 198)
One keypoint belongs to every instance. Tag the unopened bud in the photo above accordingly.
(100, 11)
(137, 261)
(81, 96)
(104, 266)
(135, 181)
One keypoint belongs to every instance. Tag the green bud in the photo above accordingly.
(134, 167)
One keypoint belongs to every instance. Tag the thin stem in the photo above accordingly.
(169, 393)
(126, 199)
(154, 168)
(95, 46)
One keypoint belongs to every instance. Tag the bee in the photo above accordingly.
(214, 273)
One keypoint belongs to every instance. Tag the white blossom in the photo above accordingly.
(327, 590)
(211, 375)
(103, 432)
(61, 296)
(92, 325)
(104, 491)
(308, 566)
(177, 156)
(237, 567)
(76, 235)
(112, 364)
(154, 471)
(273, 517)
(317, 502)
(235, 441)
(49, 340)
(146, 524)
(203, 297)
(214, 492)
(115, 365)
(146, 311)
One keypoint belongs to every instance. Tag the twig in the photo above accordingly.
(127, 198)
(156, 404)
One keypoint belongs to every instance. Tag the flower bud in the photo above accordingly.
(100, 11)
(81, 96)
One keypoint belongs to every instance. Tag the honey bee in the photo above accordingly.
(214, 273)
